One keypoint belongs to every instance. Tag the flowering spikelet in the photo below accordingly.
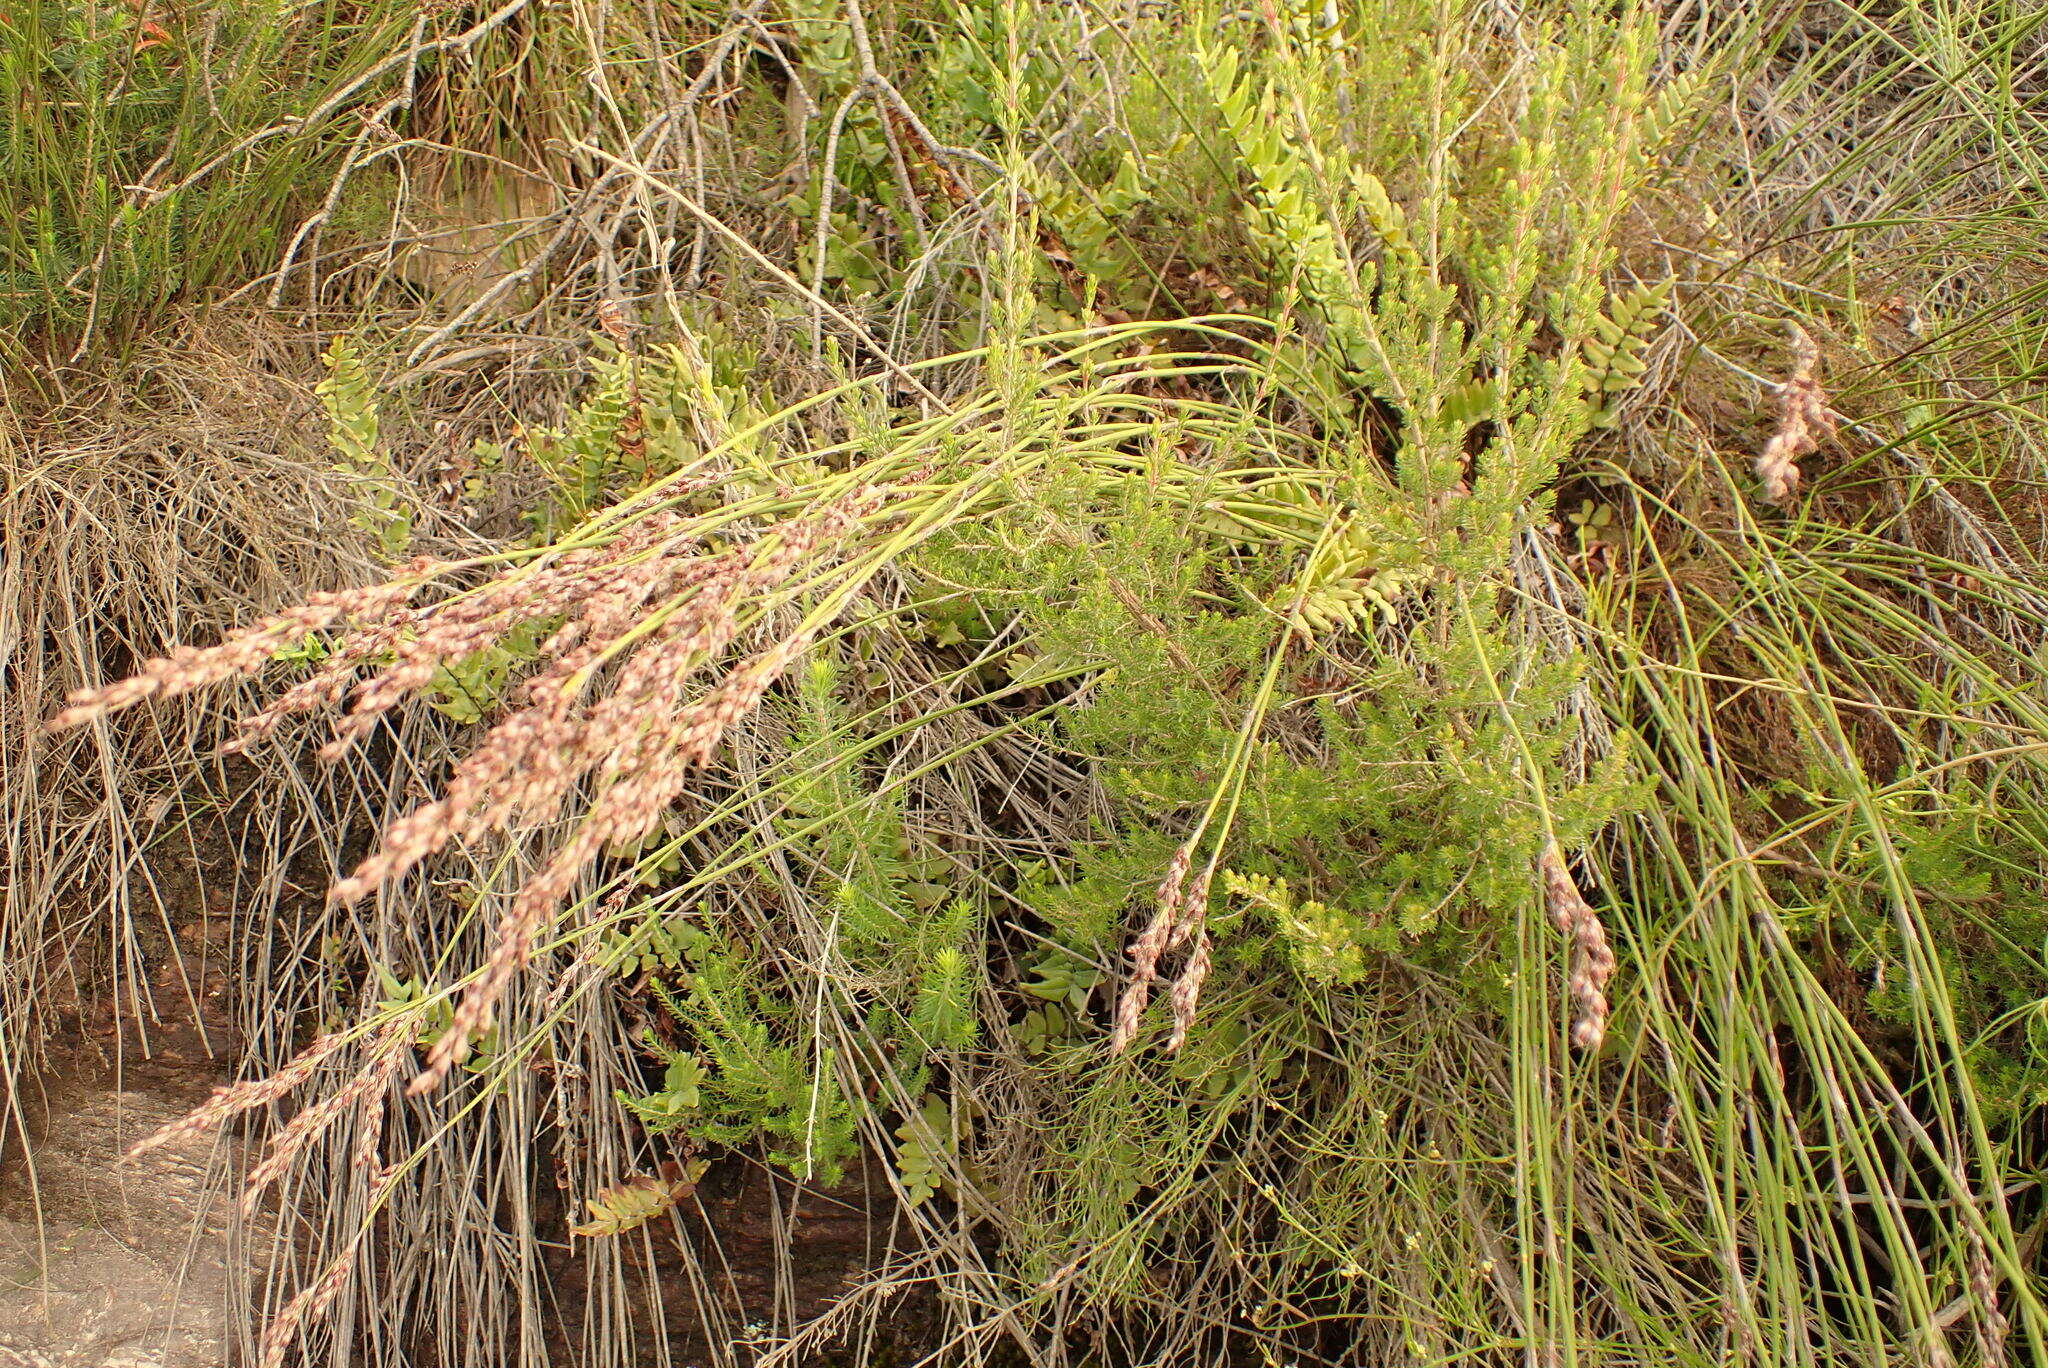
(385, 1052)
(1802, 412)
(306, 1304)
(648, 609)
(1993, 1329)
(1194, 925)
(1592, 960)
(188, 668)
(643, 743)
(326, 686)
(1181, 916)
(626, 812)
(1148, 947)
(364, 1092)
(530, 761)
(233, 1099)
(1194, 910)
(602, 586)
(1187, 989)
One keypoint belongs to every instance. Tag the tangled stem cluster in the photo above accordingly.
(648, 612)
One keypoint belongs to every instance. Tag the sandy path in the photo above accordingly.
(129, 1266)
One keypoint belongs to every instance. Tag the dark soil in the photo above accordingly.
(774, 1254)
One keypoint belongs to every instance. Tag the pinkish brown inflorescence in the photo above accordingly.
(1592, 959)
(646, 612)
(1803, 418)
(1180, 916)
(189, 668)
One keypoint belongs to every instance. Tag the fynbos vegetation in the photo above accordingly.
(1341, 684)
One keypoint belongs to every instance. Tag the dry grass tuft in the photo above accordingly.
(133, 517)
